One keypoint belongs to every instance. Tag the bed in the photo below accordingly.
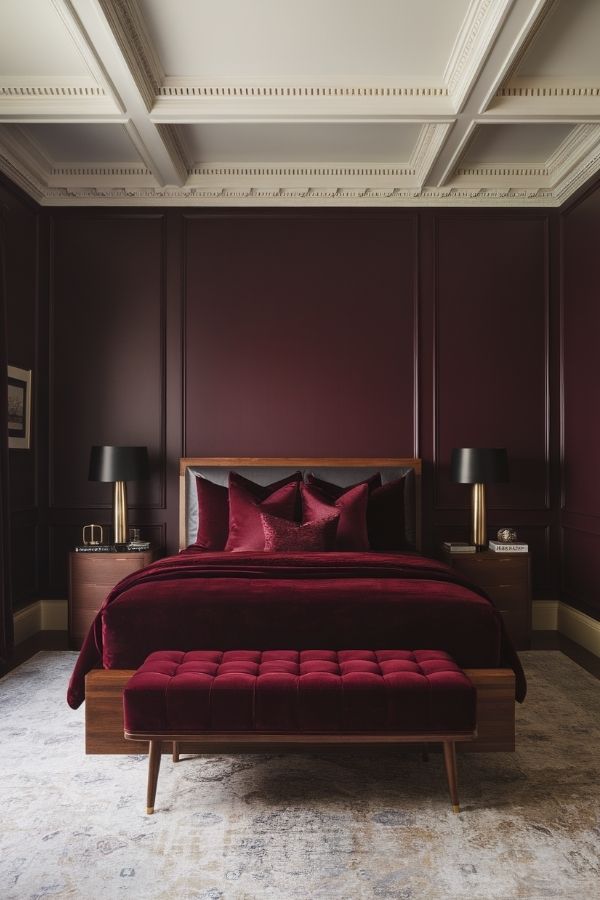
(207, 599)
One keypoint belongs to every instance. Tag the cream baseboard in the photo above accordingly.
(553, 615)
(579, 627)
(43, 615)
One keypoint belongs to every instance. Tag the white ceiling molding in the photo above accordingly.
(34, 96)
(166, 164)
(485, 75)
(477, 35)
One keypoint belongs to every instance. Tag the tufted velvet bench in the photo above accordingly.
(304, 697)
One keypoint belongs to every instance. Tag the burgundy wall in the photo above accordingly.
(303, 332)
(25, 322)
(581, 421)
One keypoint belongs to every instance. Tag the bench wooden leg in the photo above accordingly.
(450, 761)
(153, 769)
(175, 751)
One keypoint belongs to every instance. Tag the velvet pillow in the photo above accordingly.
(352, 508)
(334, 491)
(282, 535)
(385, 517)
(246, 502)
(385, 509)
(213, 515)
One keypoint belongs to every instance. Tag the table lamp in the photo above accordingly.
(119, 465)
(479, 466)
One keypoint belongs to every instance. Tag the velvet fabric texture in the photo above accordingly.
(246, 502)
(385, 509)
(282, 535)
(213, 515)
(395, 691)
(322, 601)
(351, 506)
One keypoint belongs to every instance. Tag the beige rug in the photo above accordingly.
(374, 824)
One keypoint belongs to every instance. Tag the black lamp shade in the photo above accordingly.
(119, 464)
(479, 465)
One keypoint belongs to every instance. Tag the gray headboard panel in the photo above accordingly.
(264, 471)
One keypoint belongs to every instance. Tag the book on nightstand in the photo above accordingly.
(500, 547)
(458, 547)
(131, 547)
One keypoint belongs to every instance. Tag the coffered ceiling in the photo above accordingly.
(319, 102)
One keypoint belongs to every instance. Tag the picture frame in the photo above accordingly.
(19, 408)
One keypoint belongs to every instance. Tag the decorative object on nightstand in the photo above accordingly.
(92, 535)
(92, 575)
(119, 465)
(506, 542)
(479, 466)
(505, 578)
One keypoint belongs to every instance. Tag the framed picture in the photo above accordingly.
(19, 408)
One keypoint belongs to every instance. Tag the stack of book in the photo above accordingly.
(131, 547)
(500, 547)
(458, 547)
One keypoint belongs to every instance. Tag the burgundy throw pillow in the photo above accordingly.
(213, 515)
(282, 535)
(333, 491)
(385, 517)
(246, 502)
(385, 510)
(352, 531)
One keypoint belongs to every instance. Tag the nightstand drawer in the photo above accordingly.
(505, 578)
(89, 568)
(508, 596)
(93, 576)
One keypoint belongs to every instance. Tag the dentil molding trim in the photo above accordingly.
(126, 20)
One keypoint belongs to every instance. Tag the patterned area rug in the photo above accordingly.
(369, 824)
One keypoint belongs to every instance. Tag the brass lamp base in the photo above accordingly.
(120, 512)
(478, 518)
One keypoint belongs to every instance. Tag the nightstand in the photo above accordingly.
(91, 578)
(505, 577)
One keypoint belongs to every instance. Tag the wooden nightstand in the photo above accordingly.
(505, 577)
(91, 578)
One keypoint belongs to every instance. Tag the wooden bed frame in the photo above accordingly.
(104, 687)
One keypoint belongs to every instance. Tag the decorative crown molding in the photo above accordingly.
(188, 88)
(44, 90)
(127, 25)
(583, 141)
(253, 170)
(548, 90)
(479, 28)
(298, 196)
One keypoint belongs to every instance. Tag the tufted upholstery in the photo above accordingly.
(398, 691)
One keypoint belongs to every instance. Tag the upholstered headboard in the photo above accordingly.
(264, 471)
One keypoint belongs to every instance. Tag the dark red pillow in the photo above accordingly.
(246, 502)
(333, 491)
(385, 517)
(352, 508)
(213, 515)
(385, 510)
(282, 535)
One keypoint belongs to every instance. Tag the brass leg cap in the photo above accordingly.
(455, 808)
(149, 810)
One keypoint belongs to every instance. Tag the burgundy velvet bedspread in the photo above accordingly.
(294, 601)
